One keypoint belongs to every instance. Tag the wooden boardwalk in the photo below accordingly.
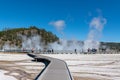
(55, 69)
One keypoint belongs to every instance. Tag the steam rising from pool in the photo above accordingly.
(96, 26)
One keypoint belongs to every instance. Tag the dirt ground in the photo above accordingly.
(21, 69)
(83, 78)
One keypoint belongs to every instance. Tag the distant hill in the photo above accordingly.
(11, 35)
(111, 45)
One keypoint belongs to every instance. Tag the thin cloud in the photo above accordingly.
(59, 24)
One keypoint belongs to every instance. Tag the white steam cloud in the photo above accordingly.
(69, 45)
(96, 26)
(33, 42)
(98, 23)
(7, 46)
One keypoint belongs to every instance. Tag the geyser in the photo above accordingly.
(96, 26)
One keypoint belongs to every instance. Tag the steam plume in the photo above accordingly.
(96, 26)
(33, 42)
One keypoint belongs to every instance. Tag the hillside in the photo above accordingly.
(11, 36)
(111, 45)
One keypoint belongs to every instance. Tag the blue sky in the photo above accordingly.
(75, 16)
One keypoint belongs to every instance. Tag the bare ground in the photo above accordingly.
(82, 67)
